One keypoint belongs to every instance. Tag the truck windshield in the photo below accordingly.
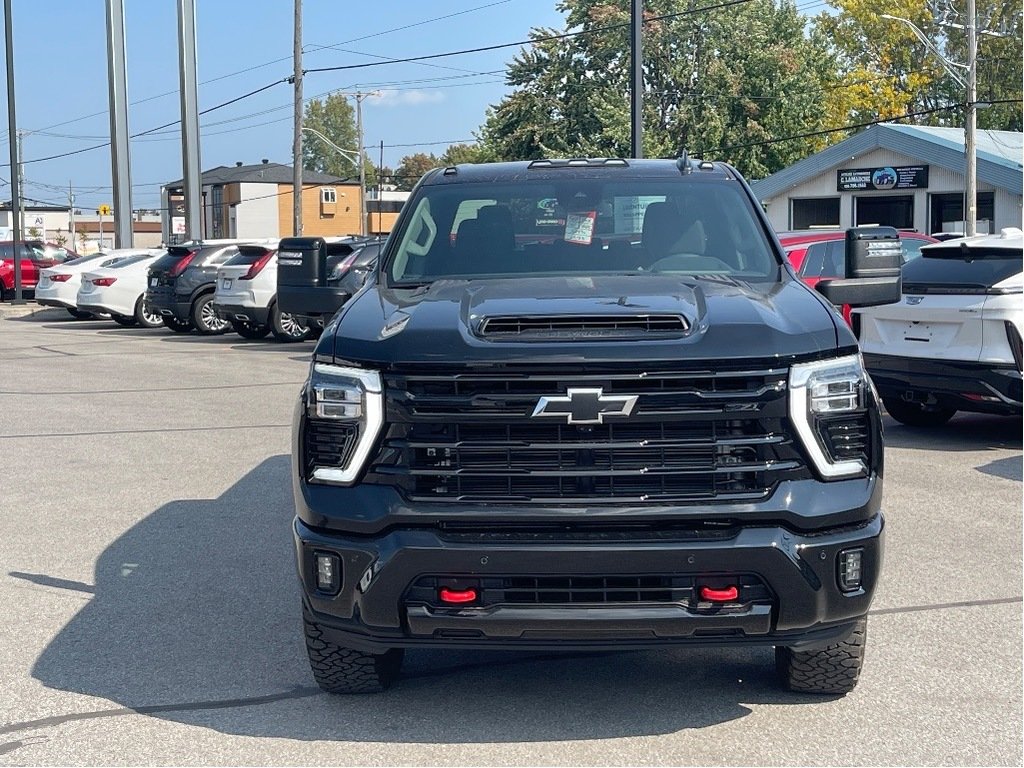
(581, 226)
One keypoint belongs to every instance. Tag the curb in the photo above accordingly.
(8, 312)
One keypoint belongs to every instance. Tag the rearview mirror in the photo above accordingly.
(874, 256)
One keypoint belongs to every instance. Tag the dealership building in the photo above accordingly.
(904, 176)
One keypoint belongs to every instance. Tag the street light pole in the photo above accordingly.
(297, 124)
(970, 130)
(362, 163)
(12, 128)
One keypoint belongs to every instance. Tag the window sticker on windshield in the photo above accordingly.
(579, 227)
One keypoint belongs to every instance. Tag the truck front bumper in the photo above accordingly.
(789, 590)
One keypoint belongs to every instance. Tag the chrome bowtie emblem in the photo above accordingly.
(585, 406)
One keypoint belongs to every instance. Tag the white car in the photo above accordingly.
(246, 296)
(953, 343)
(119, 290)
(58, 285)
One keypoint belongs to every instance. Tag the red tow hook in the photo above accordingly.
(713, 595)
(456, 596)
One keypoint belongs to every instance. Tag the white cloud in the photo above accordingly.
(409, 98)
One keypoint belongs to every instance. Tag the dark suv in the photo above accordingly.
(586, 404)
(182, 284)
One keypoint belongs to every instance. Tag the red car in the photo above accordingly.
(820, 255)
(33, 255)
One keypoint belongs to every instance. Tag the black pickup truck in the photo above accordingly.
(586, 404)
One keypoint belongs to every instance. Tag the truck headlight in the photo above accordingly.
(828, 406)
(344, 416)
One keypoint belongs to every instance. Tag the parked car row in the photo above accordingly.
(33, 256)
(209, 287)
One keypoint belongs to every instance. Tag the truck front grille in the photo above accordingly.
(697, 435)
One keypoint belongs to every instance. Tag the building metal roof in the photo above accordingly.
(260, 173)
(999, 155)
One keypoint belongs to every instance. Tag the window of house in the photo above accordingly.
(328, 195)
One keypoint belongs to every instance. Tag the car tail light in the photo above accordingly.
(1016, 346)
(103, 282)
(182, 264)
(257, 266)
(60, 278)
(343, 266)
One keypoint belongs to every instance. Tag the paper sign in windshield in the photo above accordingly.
(579, 227)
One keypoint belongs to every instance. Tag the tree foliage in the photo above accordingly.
(885, 70)
(412, 167)
(716, 83)
(335, 119)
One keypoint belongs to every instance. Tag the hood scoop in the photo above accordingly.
(582, 327)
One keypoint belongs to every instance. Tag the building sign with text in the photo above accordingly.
(889, 177)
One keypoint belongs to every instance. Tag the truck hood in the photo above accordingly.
(441, 322)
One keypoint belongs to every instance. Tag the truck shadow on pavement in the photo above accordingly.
(964, 432)
(195, 619)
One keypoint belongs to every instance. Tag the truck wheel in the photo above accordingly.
(124, 320)
(205, 319)
(834, 669)
(145, 316)
(176, 325)
(287, 327)
(917, 414)
(250, 331)
(337, 669)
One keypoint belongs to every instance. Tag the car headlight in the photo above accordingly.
(828, 406)
(344, 416)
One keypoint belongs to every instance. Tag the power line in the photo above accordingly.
(532, 41)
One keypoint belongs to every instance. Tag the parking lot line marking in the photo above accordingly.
(942, 606)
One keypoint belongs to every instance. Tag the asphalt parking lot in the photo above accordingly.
(151, 614)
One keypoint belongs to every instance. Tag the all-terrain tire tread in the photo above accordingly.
(832, 670)
(337, 669)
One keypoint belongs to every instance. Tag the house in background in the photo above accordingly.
(255, 201)
(903, 176)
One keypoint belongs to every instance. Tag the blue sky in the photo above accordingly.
(61, 73)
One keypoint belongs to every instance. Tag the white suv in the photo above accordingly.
(953, 343)
(246, 296)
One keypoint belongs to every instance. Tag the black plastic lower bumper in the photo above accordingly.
(983, 387)
(166, 303)
(56, 303)
(311, 301)
(242, 314)
(803, 605)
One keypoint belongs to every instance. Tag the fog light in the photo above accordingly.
(850, 570)
(328, 572)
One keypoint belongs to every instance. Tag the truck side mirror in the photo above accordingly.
(874, 257)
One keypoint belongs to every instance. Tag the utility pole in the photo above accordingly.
(362, 162)
(297, 130)
(636, 78)
(189, 94)
(970, 130)
(120, 151)
(71, 214)
(21, 179)
(380, 190)
(12, 128)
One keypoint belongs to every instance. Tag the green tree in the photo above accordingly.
(334, 117)
(716, 83)
(884, 70)
(412, 167)
(463, 153)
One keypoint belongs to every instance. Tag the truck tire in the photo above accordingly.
(205, 319)
(834, 669)
(287, 327)
(916, 414)
(250, 331)
(176, 325)
(337, 669)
